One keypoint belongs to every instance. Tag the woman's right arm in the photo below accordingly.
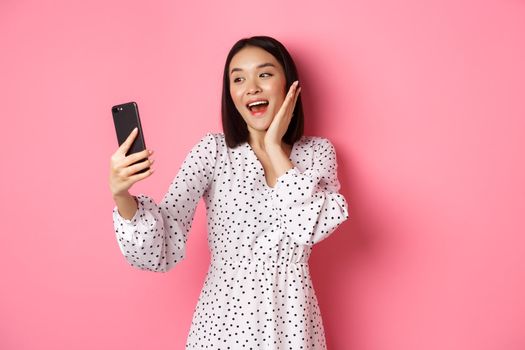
(153, 236)
(122, 175)
(127, 205)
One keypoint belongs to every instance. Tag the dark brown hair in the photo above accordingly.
(233, 125)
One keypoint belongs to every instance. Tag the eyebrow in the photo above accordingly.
(267, 64)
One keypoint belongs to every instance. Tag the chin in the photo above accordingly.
(260, 125)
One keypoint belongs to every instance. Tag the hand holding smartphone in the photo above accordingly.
(126, 118)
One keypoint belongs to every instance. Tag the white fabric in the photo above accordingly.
(258, 293)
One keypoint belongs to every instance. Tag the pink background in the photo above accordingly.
(424, 101)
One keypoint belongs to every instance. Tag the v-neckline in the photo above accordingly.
(265, 181)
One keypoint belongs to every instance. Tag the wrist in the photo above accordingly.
(273, 147)
(124, 195)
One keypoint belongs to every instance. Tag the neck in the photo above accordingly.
(256, 140)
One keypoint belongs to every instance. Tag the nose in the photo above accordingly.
(252, 88)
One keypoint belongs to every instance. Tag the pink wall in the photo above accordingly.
(423, 100)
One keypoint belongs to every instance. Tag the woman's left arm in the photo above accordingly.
(309, 205)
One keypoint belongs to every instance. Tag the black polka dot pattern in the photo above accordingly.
(258, 293)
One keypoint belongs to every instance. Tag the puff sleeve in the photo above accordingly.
(308, 205)
(155, 238)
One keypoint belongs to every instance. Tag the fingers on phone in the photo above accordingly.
(129, 140)
(145, 163)
(139, 176)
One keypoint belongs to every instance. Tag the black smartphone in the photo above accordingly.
(126, 118)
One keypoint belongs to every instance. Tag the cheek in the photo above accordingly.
(280, 95)
(278, 90)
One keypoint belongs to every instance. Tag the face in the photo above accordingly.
(256, 75)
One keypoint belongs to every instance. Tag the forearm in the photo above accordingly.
(280, 161)
(127, 205)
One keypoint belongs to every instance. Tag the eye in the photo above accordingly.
(269, 74)
(236, 80)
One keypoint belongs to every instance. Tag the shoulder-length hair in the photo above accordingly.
(233, 125)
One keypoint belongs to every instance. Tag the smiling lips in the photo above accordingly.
(258, 107)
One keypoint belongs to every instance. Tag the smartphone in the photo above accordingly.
(126, 118)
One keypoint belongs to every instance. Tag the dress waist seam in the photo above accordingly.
(246, 261)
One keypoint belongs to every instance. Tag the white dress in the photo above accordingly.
(258, 293)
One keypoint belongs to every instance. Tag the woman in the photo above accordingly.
(270, 194)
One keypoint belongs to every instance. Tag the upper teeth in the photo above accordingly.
(257, 103)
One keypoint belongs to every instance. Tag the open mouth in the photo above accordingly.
(258, 107)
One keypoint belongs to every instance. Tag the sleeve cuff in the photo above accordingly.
(291, 174)
(135, 219)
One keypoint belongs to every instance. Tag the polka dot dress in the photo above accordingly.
(257, 293)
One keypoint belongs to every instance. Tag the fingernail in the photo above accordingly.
(135, 129)
(150, 151)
